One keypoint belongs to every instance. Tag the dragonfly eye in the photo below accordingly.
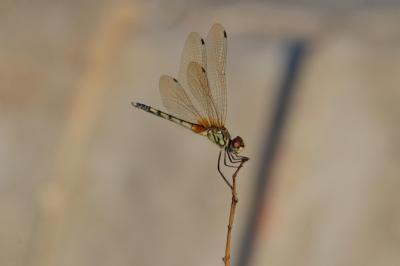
(237, 144)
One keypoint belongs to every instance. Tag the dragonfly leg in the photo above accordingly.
(237, 158)
(220, 172)
(244, 158)
(233, 158)
(226, 163)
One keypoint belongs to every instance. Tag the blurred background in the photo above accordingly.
(85, 179)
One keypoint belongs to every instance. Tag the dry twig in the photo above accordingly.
(227, 257)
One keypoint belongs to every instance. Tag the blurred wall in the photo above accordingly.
(87, 180)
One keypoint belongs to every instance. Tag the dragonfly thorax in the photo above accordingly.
(219, 136)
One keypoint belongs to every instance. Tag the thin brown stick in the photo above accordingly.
(227, 257)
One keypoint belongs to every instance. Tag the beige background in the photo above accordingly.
(87, 180)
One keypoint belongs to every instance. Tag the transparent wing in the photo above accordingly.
(193, 51)
(202, 73)
(177, 101)
(216, 47)
(202, 97)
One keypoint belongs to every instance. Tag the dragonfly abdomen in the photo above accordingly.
(194, 127)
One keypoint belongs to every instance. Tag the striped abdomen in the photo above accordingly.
(194, 127)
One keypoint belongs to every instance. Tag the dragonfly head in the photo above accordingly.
(236, 144)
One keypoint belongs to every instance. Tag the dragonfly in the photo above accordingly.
(197, 98)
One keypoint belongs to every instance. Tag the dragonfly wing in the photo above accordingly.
(202, 73)
(176, 100)
(216, 47)
(193, 51)
(201, 94)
